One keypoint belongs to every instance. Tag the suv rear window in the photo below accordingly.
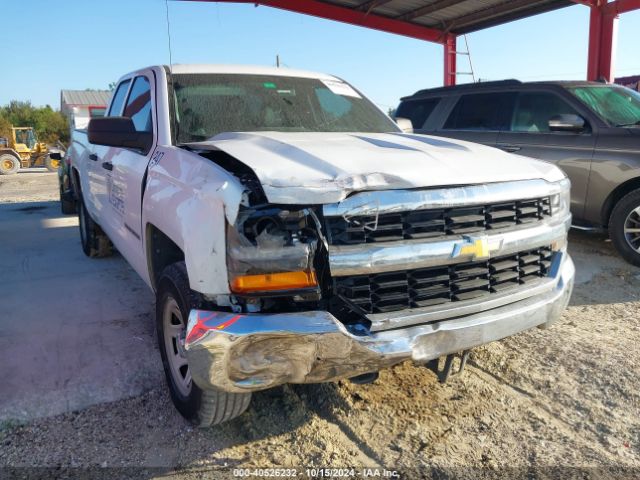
(482, 111)
(417, 110)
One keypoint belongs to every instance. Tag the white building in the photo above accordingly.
(81, 105)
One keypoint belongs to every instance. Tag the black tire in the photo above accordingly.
(201, 407)
(9, 164)
(51, 164)
(67, 207)
(623, 214)
(93, 240)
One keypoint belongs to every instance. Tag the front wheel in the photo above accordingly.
(174, 301)
(624, 227)
(9, 164)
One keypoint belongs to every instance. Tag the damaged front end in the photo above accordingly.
(271, 258)
(319, 293)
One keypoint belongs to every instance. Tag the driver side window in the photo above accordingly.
(115, 110)
(534, 110)
(139, 105)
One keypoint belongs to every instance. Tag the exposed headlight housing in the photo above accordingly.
(561, 201)
(271, 250)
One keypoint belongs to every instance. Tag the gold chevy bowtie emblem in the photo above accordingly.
(477, 248)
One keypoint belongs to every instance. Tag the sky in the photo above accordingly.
(89, 44)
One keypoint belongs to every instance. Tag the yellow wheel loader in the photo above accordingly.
(22, 150)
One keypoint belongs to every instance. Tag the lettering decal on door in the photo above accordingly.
(155, 158)
(116, 195)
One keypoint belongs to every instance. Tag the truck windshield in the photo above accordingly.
(209, 104)
(618, 106)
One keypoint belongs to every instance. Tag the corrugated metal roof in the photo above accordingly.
(454, 16)
(85, 97)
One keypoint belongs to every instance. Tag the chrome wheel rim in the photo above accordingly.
(632, 229)
(174, 329)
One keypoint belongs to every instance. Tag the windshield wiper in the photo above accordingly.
(632, 124)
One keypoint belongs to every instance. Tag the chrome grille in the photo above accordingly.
(421, 224)
(423, 287)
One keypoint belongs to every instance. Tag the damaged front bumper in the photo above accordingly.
(250, 352)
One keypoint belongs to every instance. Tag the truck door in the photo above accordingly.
(126, 170)
(529, 135)
(98, 177)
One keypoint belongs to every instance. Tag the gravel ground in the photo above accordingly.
(29, 185)
(539, 405)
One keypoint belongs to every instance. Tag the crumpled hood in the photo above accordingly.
(315, 168)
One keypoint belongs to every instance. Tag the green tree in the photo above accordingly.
(50, 125)
(5, 128)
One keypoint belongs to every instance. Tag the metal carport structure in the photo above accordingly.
(442, 21)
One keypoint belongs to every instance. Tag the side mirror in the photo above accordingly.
(567, 122)
(405, 124)
(118, 132)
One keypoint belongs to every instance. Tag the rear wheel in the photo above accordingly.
(624, 227)
(94, 242)
(9, 164)
(174, 301)
(52, 164)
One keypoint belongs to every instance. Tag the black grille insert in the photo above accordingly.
(422, 287)
(418, 224)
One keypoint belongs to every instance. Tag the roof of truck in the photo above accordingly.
(246, 70)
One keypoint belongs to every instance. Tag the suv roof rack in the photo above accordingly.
(465, 86)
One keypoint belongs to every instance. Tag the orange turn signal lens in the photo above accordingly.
(274, 281)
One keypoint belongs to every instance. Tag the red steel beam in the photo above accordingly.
(608, 36)
(450, 57)
(595, 33)
(621, 6)
(353, 17)
(603, 27)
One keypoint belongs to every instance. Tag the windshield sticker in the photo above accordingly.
(341, 88)
(269, 85)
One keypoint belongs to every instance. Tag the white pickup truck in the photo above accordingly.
(292, 233)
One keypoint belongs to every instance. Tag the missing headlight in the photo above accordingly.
(272, 250)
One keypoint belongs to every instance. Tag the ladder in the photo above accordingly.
(467, 53)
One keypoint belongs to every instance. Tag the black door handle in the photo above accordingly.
(93, 157)
(509, 148)
(107, 165)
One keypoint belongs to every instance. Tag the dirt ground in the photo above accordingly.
(556, 403)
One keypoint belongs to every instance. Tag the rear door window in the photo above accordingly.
(535, 109)
(139, 105)
(482, 112)
(115, 109)
(417, 111)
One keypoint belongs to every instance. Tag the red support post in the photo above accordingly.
(608, 47)
(450, 57)
(602, 43)
(595, 31)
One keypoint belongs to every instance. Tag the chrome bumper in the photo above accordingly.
(249, 352)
